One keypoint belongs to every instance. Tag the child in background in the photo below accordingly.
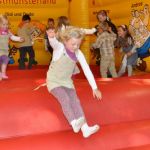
(25, 29)
(105, 43)
(50, 25)
(103, 17)
(63, 22)
(59, 77)
(126, 43)
(5, 35)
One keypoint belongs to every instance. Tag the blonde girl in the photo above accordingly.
(59, 82)
(5, 35)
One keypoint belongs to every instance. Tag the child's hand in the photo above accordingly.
(21, 39)
(46, 49)
(97, 94)
(129, 54)
(51, 33)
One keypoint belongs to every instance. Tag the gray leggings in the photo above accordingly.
(123, 69)
(69, 102)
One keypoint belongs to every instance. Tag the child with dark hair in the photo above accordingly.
(126, 43)
(25, 29)
(103, 17)
(26, 17)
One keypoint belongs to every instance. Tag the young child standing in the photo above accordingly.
(25, 29)
(105, 43)
(5, 35)
(59, 77)
(126, 43)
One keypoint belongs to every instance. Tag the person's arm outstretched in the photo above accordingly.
(57, 46)
(16, 38)
(86, 69)
(52, 39)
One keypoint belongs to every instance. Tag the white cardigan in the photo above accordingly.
(58, 49)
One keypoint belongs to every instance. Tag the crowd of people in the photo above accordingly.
(110, 37)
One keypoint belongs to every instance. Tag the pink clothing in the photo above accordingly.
(4, 59)
(3, 32)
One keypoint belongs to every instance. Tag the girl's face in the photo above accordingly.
(121, 32)
(51, 24)
(101, 18)
(4, 24)
(73, 44)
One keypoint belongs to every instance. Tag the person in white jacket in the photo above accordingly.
(59, 77)
(5, 35)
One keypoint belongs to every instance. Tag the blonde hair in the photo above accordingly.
(2, 18)
(70, 32)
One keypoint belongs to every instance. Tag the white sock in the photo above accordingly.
(87, 131)
(77, 124)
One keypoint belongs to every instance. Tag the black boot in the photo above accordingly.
(21, 64)
(30, 63)
(34, 62)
